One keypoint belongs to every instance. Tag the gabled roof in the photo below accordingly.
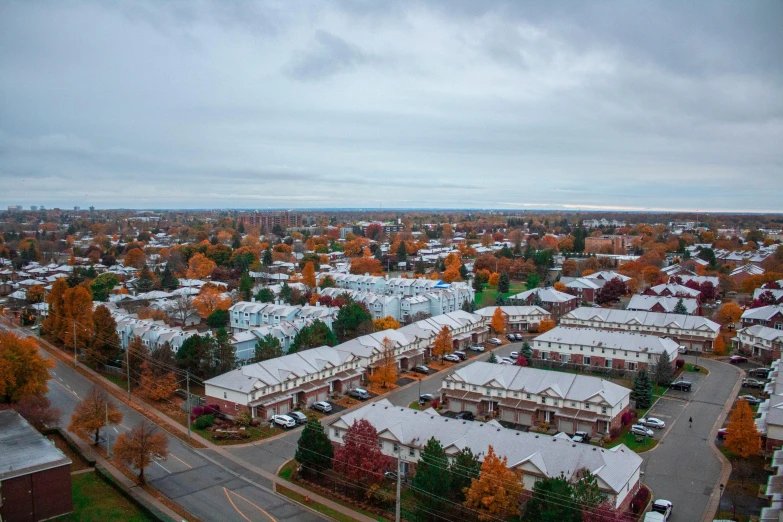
(668, 303)
(547, 295)
(763, 313)
(611, 340)
(648, 319)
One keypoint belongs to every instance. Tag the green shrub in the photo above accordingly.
(204, 422)
(243, 420)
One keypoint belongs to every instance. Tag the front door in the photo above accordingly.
(547, 416)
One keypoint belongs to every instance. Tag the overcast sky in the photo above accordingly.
(583, 105)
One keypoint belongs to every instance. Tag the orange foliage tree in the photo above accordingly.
(135, 258)
(209, 299)
(443, 343)
(138, 447)
(546, 325)
(499, 321)
(35, 294)
(77, 313)
(386, 323)
(560, 287)
(156, 385)
(719, 345)
(729, 313)
(200, 266)
(308, 275)
(385, 371)
(742, 437)
(494, 279)
(23, 372)
(90, 414)
(366, 265)
(496, 494)
(451, 274)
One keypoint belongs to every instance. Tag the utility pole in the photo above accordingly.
(399, 484)
(127, 369)
(187, 377)
(108, 442)
(75, 361)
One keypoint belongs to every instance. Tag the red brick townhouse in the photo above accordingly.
(518, 318)
(770, 316)
(554, 302)
(531, 396)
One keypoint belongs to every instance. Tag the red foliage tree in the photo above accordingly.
(708, 290)
(612, 291)
(359, 458)
(521, 361)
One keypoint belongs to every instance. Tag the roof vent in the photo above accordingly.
(385, 407)
(498, 429)
(536, 436)
(517, 433)
(573, 445)
(595, 449)
(464, 422)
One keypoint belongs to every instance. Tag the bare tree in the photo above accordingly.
(183, 308)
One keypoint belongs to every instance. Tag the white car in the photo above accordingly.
(664, 507)
(451, 357)
(508, 360)
(514, 355)
(638, 429)
(322, 406)
(477, 348)
(284, 421)
(652, 422)
(682, 349)
(495, 340)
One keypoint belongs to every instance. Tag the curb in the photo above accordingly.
(305, 506)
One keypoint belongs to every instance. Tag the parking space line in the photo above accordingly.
(164, 469)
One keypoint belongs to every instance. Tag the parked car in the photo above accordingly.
(762, 373)
(664, 507)
(465, 415)
(322, 406)
(750, 399)
(682, 349)
(638, 429)
(752, 383)
(736, 359)
(359, 393)
(511, 337)
(451, 357)
(517, 337)
(494, 340)
(462, 355)
(284, 421)
(652, 422)
(298, 416)
(426, 397)
(581, 436)
(722, 433)
(391, 475)
(477, 348)
(421, 369)
(508, 360)
(681, 385)
(514, 355)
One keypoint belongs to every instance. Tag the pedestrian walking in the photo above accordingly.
(690, 422)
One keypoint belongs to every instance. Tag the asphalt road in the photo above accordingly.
(188, 476)
(683, 468)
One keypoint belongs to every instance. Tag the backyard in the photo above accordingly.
(489, 295)
(94, 499)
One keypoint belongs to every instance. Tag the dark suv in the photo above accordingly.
(680, 385)
(465, 415)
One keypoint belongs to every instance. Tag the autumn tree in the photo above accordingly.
(366, 265)
(612, 291)
(35, 294)
(719, 345)
(308, 275)
(138, 448)
(90, 414)
(443, 343)
(729, 313)
(136, 354)
(23, 372)
(78, 318)
(359, 458)
(742, 437)
(134, 258)
(209, 299)
(498, 321)
(200, 266)
(546, 325)
(569, 267)
(314, 451)
(53, 324)
(156, 383)
(496, 493)
(268, 347)
(386, 323)
(386, 369)
(560, 287)
(38, 411)
(105, 343)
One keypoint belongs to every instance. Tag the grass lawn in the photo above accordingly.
(629, 439)
(488, 296)
(93, 499)
(255, 434)
(702, 369)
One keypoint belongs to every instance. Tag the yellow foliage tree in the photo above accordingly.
(200, 266)
(495, 495)
(451, 274)
(35, 294)
(23, 372)
(560, 287)
(494, 279)
(308, 275)
(209, 299)
(77, 313)
(546, 325)
(742, 437)
(443, 344)
(386, 323)
(156, 385)
(729, 313)
(719, 346)
(499, 321)
(385, 371)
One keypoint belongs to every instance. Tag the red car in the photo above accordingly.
(722, 433)
(736, 359)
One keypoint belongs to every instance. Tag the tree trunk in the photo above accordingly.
(97, 432)
(141, 476)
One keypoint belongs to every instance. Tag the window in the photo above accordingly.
(603, 410)
(573, 405)
(778, 326)
(632, 366)
(543, 400)
(516, 394)
(529, 396)
(608, 363)
(225, 395)
(587, 360)
(380, 444)
(411, 452)
(462, 386)
(475, 388)
(587, 405)
(337, 433)
(236, 407)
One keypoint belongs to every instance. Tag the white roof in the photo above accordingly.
(763, 313)
(669, 303)
(633, 317)
(552, 456)
(675, 290)
(513, 311)
(567, 386)
(628, 341)
(763, 332)
(547, 295)
(607, 275)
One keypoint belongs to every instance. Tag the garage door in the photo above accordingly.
(566, 426)
(586, 426)
(525, 419)
(471, 407)
(508, 414)
(323, 395)
(455, 405)
(283, 408)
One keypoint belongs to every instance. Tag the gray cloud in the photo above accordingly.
(416, 104)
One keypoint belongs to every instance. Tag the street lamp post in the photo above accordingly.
(721, 497)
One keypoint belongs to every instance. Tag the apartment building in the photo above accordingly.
(606, 244)
(770, 316)
(250, 314)
(268, 220)
(663, 304)
(554, 302)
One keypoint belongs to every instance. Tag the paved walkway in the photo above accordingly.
(685, 467)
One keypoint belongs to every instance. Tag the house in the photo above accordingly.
(673, 290)
(245, 315)
(606, 244)
(607, 275)
(518, 318)
(777, 295)
(769, 419)
(554, 302)
(584, 288)
(693, 332)
(771, 316)
(759, 341)
(153, 334)
(403, 433)
(742, 272)
(531, 396)
(35, 475)
(663, 304)
(603, 348)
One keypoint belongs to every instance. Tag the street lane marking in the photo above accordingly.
(179, 459)
(246, 500)
(115, 429)
(164, 469)
(66, 389)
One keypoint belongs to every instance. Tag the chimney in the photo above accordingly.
(252, 299)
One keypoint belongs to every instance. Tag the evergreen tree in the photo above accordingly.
(312, 336)
(551, 502)
(421, 268)
(286, 293)
(245, 286)
(432, 473)
(663, 371)
(526, 350)
(499, 301)
(402, 252)
(352, 321)
(145, 282)
(478, 284)
(642, 390)
(314, 450)
(265, 295)
(102, 286)
(268, 347)
(224, 356)
(218, 319)
(194, 355)
(585, 491)
(679, 308)
(463, 272)
(167, 279)
(504, 283)
(241, 227)
(469, 306)
(492, 358)
(465, 468)
(533, 280)
(537, 300)
(267, 257)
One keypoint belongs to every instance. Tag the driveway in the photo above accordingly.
(684, 467)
